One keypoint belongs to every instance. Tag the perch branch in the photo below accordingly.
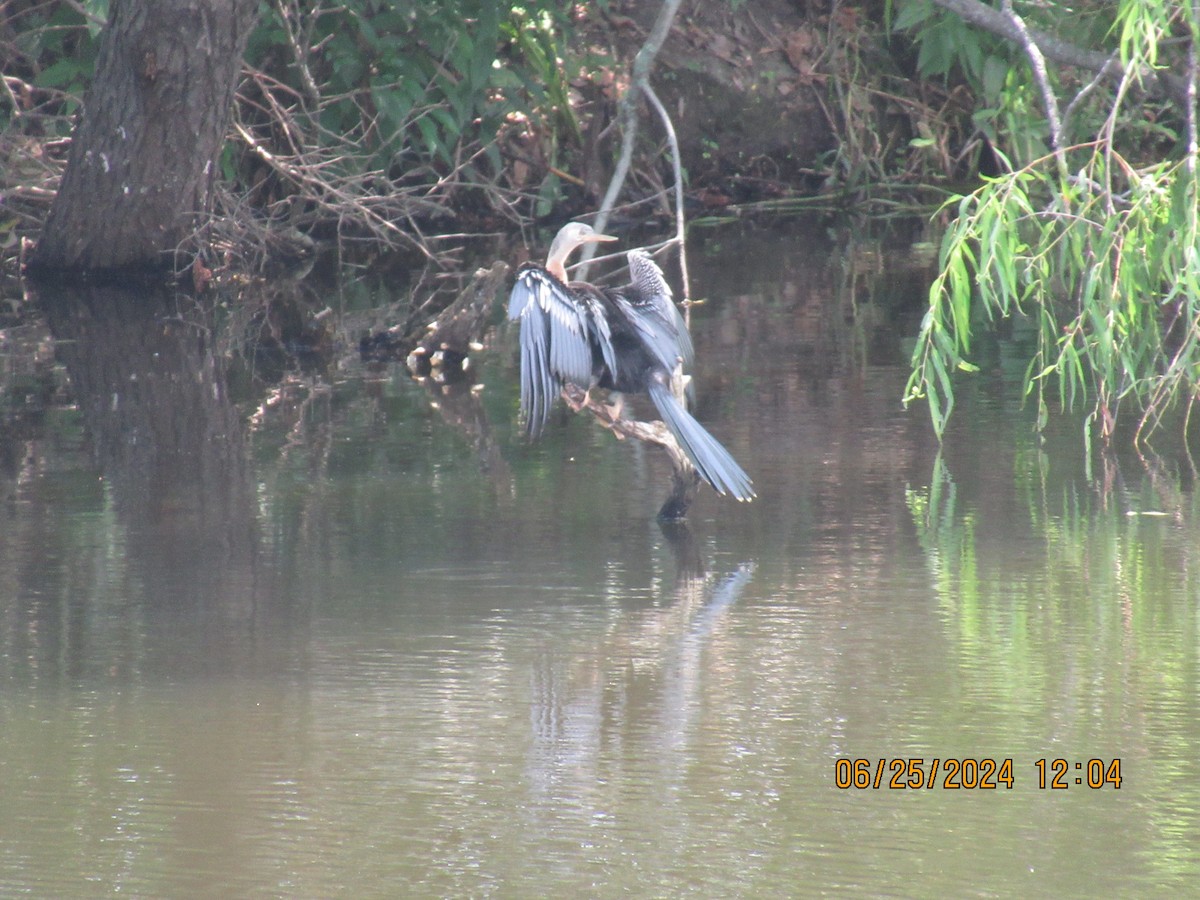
(685, 481)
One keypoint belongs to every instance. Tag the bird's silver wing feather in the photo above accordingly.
(539, 387)
(601, 333)
(555, 331)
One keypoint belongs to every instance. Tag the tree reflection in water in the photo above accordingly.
(164, 435)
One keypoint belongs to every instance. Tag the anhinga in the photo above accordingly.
(630, 339)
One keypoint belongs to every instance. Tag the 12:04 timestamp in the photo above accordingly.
(1060, 774)
(967, 773)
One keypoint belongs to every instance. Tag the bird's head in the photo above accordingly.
(569, 237)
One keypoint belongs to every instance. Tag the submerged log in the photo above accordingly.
(442, 349)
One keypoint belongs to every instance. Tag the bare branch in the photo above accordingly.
(1193, 74)
(1057, 50)
(1105, 73)
(289, 15)
(1037, 63)
(638, 79)
(640, 83)
(677, 171)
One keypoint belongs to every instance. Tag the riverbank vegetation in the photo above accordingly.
(1065, 140)
(407, 126)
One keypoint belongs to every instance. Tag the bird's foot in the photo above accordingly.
(574, 398)
(612, 414)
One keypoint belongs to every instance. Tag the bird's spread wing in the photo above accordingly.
(601, 333)
(557, 327)
(652, 311)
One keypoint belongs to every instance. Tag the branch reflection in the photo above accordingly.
(642, 686)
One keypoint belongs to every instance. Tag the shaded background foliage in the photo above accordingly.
(416, 87)
(484, 97)
(394, 123)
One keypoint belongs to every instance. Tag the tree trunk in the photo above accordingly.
(143, 156)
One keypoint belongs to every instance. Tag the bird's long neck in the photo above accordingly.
(556, 260)
(557, 267)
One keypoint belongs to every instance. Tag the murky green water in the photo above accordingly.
(384, 648)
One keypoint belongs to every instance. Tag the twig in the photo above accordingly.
(677, 167)
(1193, 58)
(287, 15)
(340, 196)
(12, 97)
(1106, 72)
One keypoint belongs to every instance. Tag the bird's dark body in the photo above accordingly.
(636, 366)
(629, 340)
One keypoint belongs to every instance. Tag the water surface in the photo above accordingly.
(358, 638)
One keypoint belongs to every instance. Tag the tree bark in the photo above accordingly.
(143, 156)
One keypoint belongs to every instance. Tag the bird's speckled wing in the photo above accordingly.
(557, 328)
(651, 308)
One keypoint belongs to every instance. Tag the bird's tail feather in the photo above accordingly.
(711, 460)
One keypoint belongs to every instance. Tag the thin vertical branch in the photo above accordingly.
(638, 81)
(291, 18)
(1109, 71)
(1108, 136)
(1192, 74)
(677, 171)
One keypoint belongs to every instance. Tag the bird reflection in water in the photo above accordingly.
(629, 339)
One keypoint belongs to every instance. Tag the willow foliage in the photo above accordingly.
(1111, 279)
(1098, 248)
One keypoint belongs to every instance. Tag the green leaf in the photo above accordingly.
(63, 74)
(914, 14)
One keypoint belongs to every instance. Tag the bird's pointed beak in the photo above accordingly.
(597, 237)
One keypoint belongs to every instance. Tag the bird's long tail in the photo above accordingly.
(711, 460)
